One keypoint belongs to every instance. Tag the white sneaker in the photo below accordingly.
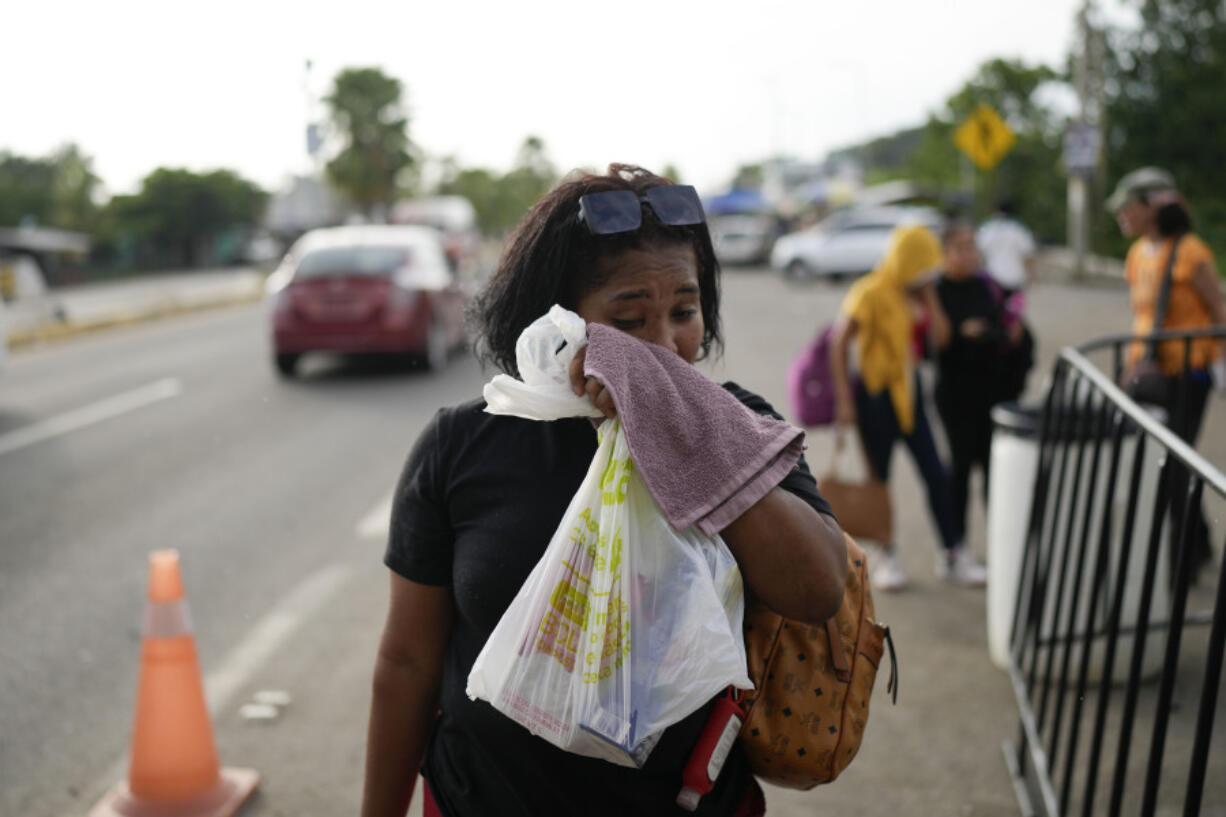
(961, 567)
(888, 574)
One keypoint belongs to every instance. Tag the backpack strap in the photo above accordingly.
(892, 685)
(1164, 299)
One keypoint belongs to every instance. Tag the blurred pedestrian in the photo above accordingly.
(1008, 253)
(1150, 209)
(973, 361)
(884, 399)
(481, 495)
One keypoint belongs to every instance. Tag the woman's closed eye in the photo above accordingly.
(680, 314)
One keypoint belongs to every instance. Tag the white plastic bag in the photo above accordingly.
(625, 625)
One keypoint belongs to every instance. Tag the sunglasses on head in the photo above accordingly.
(620, 211)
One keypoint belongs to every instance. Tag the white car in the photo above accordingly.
(742, 238)
(848, 242)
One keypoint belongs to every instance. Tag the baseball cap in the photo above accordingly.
(1141, 180)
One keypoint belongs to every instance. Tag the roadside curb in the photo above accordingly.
(54, 330)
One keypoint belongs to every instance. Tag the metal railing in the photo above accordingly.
(1116, 690)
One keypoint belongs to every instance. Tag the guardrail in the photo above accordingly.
(1118, 701)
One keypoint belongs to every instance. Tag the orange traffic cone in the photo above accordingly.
(174, 768)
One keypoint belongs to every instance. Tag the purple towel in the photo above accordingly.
(704, 455)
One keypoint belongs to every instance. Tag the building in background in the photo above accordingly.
(305, 203)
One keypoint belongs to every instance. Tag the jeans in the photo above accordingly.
(967, 419)
(879, 429)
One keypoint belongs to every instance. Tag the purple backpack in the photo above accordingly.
(810, 383)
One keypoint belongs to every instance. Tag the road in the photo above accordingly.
(178, 434)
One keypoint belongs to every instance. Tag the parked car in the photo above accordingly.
(366, 289)
(742, 238)
(847, 242)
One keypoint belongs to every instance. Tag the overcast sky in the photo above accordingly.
(702, 85)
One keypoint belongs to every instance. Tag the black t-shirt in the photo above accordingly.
(478, 501)
(967, 365)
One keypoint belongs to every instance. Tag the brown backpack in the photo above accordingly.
(812, 683)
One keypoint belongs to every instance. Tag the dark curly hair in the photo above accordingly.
(551, 259)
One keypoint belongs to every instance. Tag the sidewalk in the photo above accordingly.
(938, 753)
(86, 307)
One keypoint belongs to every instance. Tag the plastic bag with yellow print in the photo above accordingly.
(626, 625)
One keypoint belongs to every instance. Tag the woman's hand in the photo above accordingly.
(940, 330)
(844, 405)
(972, 328)
(591, 386)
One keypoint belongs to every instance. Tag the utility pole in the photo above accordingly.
(1083, 141)
(314, 129)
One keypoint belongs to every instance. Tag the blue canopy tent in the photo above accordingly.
(736, 201)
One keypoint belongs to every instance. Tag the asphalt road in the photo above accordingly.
(178, 434)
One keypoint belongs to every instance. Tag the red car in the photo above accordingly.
(366, 289)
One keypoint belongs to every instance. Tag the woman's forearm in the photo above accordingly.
(940, 331)
(843, 333)
(402, 710)
(404, 693)
(791, 556)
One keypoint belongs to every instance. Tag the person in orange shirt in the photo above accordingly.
(1148, 206)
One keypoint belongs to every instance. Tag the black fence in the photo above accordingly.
(1117, 639)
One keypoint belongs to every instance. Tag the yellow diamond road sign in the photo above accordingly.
(984, 137)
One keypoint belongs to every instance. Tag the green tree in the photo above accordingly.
(530, 178)
(885, 156)
(1030, 174)
(73, 190)
(534, 162)
(479, 186)
(502, 201)
(1166, 91)
(748, 177)
(180, 218)
(24, 187)
(54, 191)
(366, 109)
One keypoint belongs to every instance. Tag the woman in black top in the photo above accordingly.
(972, 370)
(481, 495)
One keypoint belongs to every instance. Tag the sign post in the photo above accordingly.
(1082, 144)
(984, 138)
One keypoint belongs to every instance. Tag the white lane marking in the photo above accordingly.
(269, 633)
(245, 658)
(378, 520)
(90, 415)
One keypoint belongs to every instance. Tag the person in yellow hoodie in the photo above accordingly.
(884, 400)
